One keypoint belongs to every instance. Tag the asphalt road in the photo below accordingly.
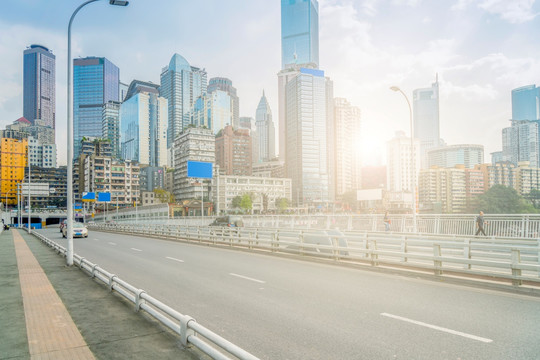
(279, 308)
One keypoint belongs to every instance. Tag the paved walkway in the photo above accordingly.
(51, 311)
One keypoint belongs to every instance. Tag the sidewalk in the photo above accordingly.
(66, 314)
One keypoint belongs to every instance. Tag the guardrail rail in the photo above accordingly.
(189, 330)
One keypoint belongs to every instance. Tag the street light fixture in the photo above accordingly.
(413, 167)
(70, 219)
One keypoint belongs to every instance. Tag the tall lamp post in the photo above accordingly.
(70, 219)
(413, 167)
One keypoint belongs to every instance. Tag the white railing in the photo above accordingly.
(190, 331)
(511, 260)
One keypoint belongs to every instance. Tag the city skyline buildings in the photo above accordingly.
(299, 32)
(39, 85)
(426, 119)
(96, 81)
(181, 84)
(266, 132)
(476, 69)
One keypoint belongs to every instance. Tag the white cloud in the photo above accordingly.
(512, 11)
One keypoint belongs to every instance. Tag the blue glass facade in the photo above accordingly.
(526, 103)
(39, 91)
(299, 32)
(96, 81)
(181, 85)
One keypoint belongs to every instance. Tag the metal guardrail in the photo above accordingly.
(184, 325)
(495, 258)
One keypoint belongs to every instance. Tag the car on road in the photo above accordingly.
(79, 230)
(229, 221)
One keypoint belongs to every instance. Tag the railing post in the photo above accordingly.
(516, 259)
(138, 300)
(111, 282)
(437, 264)
(404, 248)
(467, 253)
(185, 331)
(349, 223)
(374, 256)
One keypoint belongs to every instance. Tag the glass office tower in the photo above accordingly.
(96, 81)
(526, 103)
(306, 123)
(426, 119)
(265, 131)
(181, 85)
(39, 94)
(299, 32)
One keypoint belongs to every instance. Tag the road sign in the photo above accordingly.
(104, 197)
(199, 169)
(36, 189)
(88, 196)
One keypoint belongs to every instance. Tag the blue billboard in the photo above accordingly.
(104, 197)
(88, 196)
(199, 169)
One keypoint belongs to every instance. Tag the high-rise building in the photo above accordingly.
(13, 160)
(41, 155)
(444, 188)
(426, 119)
(266, 131)
(526, 103)
(96, 81)
(299, 32)
(111, 126)
(144, 124)
(521, 142)
(399, 169)
(306, 157)
(346, 162)
(213, 111)
(233, 151)
(193, 144)
(449, 156)
(181, 85)
(224, 84)
(39, 90)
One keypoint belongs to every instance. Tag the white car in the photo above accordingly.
(79, 230)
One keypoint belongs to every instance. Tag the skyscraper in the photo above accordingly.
(299, 32)
(265, 131)
(39, 94)
(96, 81)
(111, 126)
(399, 169)
(306, 141)
(144, 124)
(526, 103)
(426, 119)
(212, 110)
(346, 160)
(233, 151)
(181, 85)
(224, 84)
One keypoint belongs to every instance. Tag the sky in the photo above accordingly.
(480, 49)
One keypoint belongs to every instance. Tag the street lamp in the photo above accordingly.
(413, 167)
(70, 219)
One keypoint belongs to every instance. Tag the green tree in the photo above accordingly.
(282, 204)
(500, 199)
(246, 203)
(534, 198)
(164, 196)
(236, 201)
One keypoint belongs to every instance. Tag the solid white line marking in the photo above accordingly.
(171, 258)
(247, 278)
(112, 243)
(136, 249)
(434, 327)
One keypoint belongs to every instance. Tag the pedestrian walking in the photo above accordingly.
(386, 221)
(480, 222)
